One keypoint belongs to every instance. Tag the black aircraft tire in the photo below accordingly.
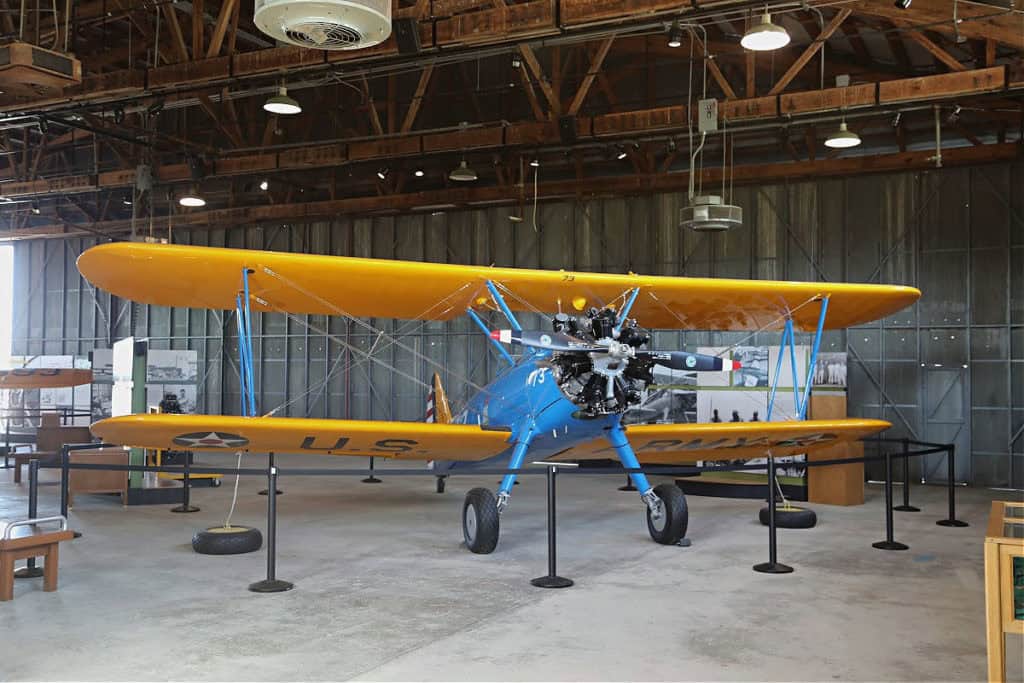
(480, 521)
(791, 517)
(676, 516)
(233, 540)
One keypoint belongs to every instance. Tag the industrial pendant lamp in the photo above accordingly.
(281, 103)
(191, 199)
(463, 173)
(765, 36)
(842, 138)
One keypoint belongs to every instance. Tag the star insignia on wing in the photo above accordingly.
(210, 440)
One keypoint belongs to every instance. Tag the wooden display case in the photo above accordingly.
(1004, 582)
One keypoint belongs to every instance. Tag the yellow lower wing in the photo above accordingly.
(672, 444)
(404, 440)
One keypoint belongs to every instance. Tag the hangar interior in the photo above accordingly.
(881, 144)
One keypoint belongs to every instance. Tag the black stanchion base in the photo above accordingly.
(76, 534)
(28, 572)
(271, 586)
(551, 582)
(627, 487)
(277, 492)
(773, 568)
(684, 543)
(906, 508)
(890, 545)
(371, 480)
(185, 508)
(951, 522)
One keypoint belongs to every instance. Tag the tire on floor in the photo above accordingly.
(790, 517)
(232, 540)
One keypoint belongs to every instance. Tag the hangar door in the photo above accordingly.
(946, 421)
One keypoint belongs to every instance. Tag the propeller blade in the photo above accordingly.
(553, 341)
(682, 360)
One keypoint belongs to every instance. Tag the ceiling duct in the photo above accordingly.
(325, 24)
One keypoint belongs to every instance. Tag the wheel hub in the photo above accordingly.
(470, 523)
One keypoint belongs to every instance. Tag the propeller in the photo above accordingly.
(558, 341)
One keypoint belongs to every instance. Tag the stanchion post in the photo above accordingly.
(30, 570)
(371, 479)
(270, 464)
(906, 506)
(888, 543)
(271, 584)
(951, 520)
(65, 484)
(552, 580)
(186, 494)
(628, 486)
(772, 566)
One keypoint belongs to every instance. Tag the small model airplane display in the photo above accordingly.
(563, 399)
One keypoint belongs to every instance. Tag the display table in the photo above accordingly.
(1004, 581)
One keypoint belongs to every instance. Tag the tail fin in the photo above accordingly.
(437, 403)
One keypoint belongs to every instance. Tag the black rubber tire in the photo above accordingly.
(233, 540)
(481, 507)
(676, 515)
(791, 517)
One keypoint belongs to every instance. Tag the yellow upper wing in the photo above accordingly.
(43, 378)
(404, 440)
(673, 444)
(207, 277)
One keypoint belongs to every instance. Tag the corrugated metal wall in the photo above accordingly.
(951, 368)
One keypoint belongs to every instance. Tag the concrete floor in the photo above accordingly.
(384, 592)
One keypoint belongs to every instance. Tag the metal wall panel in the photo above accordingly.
(951, 366)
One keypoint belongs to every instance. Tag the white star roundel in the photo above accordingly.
(210, 440)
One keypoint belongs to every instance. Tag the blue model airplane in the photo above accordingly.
(562, 399)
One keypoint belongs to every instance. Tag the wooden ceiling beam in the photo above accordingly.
(941, 55)
(979, 21)
(588, 187)
(596, 63)
(809, 52)
(530, 59)
(417, 98)
(530, 134)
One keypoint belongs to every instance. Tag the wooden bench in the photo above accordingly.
(22, 540)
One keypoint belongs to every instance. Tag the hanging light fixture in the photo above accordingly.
(382, 173)
(191, 199)
(419, 173)
(264, 184)
(765, 36)
(842, 138)
(675, 35)
(281, 103)
(463, 173)
(535, 163)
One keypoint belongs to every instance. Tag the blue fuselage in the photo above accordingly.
(525, 398)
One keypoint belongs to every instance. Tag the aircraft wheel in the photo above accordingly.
(790, 517)
(672, 525)
(480, 521)
(232, 540)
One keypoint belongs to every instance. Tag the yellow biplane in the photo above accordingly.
(563, 398)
